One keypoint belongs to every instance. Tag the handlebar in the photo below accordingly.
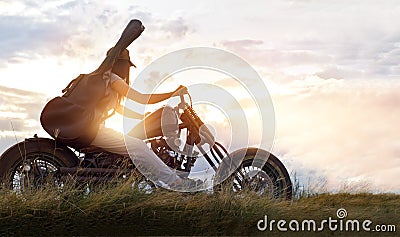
(183, 103)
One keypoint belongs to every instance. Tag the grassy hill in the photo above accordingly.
(123, 210)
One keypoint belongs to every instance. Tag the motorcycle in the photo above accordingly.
(38, 161)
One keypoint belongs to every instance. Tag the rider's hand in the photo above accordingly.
(181, 90)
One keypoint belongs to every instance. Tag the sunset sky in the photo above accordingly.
(331, 67)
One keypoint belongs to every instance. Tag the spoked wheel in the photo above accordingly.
(264, 178)
(35, 171)
(252, 178)
(34, 163)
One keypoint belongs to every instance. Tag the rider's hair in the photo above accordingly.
(121, 68)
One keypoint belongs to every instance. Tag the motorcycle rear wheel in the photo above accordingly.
(34, 163)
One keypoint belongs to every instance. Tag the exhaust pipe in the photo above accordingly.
(79, 171)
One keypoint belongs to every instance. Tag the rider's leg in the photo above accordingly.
(144, 159)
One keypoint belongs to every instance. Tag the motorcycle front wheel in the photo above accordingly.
(268, 177)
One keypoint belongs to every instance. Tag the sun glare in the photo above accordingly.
(115, 122)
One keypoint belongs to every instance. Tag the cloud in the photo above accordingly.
(334, 60)
(346, 132)
(75, 29)
(312, 34)
(19, 112)
(50, 29)
(257, 54)
(177, 28)
(21, 34)
(241, 44)
(333, 72)
(161, 36)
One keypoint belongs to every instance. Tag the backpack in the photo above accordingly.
(74, 118)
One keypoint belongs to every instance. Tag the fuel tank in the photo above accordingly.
(162, 122)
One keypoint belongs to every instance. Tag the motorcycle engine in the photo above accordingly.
(168, 155)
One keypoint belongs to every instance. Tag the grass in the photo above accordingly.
(119, 209)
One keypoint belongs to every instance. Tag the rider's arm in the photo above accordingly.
(128, 112)
(125, 90)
